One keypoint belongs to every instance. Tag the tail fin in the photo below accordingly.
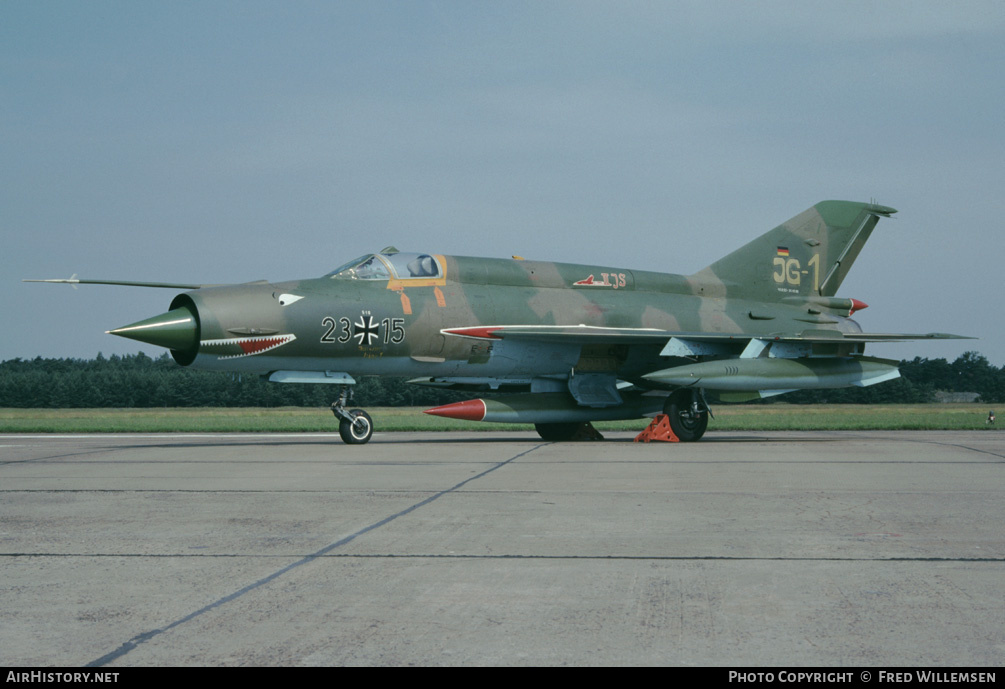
(808, 255)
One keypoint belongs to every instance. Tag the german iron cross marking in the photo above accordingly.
(365, 329)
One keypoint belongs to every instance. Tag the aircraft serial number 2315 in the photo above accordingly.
(570, 343)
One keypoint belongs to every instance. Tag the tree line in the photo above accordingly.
(140, 381)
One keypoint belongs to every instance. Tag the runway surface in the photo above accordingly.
(814, 548)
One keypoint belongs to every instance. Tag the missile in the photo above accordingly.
(844, 307)
(552, 407)
(856, 305)
(778, 374)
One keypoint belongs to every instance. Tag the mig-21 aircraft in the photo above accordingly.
(570, 344)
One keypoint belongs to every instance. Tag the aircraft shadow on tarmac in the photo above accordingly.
(482, 438)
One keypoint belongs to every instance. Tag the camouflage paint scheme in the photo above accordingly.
(580, 342)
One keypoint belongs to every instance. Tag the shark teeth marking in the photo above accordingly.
(249, 346)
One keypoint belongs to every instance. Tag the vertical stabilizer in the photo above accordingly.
(809, 255)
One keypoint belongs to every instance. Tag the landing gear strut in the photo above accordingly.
(355, 425)
(688, 414)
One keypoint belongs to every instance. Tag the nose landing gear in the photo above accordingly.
(355, 425)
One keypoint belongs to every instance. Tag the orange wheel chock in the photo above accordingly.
(659, 430)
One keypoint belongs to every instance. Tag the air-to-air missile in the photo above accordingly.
(562, 344)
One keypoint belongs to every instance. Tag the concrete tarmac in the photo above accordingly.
(497, 548)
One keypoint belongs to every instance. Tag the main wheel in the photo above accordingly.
(687, 424)
(557, 432)
(357, 431)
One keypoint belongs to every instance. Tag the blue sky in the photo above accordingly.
(235, 141)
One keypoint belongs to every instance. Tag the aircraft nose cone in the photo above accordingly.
(177, 329)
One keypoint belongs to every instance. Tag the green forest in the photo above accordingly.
(139, 381)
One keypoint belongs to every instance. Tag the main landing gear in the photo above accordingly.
(355, 425)
(688, 414)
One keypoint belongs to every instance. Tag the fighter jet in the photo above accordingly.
(568, 344)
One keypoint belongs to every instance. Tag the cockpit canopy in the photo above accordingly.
(387, 265)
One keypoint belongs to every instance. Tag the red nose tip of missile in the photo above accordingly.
(857, 305)
(469, 410)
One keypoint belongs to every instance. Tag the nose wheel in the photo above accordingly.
(355, 425)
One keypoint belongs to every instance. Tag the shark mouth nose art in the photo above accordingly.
(235, 347)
